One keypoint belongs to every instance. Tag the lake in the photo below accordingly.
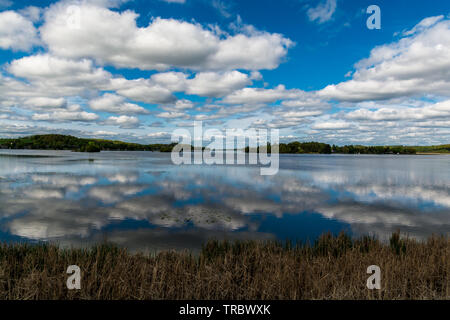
(141, 201)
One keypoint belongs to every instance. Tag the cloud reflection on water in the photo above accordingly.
(157, 205)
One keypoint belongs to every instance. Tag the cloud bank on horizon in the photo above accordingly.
(136, 71)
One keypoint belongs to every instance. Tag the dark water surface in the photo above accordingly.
(142, 201)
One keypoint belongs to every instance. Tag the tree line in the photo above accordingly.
(67, 142)
(324, 148)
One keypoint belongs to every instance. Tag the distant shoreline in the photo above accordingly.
(431, 153)
(65, 142)
(304, 153)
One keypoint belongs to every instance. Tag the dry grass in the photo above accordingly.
(331, 268)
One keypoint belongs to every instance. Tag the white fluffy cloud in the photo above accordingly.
(142, 90)
(32, 13)
(45, 102)
(16, 32)
(160, 134)
(164, 43)
(66, 116)
(298, 114)
(260, 95)
(72, 113)
(172, 115)
(60, 76)
(174, 81)
(413, 66)
(208, 74)
(123, 122)
(180, 105)
(332, 125)
(399, 94)
(212, 84)
(115, 104)
(439, 110)
(206, 84)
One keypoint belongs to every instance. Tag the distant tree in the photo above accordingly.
(92, 147)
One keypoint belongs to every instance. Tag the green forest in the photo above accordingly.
(323, 148)
(374, 150)
(66, 142)
(297, 147)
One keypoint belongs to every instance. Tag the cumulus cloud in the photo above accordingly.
(58, 116)
(161, 134)
(164, 43)
(306, 102)
(211, 74)
(142, 90)
(398, 95)
(123, 122)
(180, 105)
(434, 111)
(172, 115)
(206, 84)
(413, 66)
(331, 125)
(16, 32)
(45, 102)
(261, 95)
(212, 84)
(61, 76)
(32, 13)
(115, 104)
(72, 113)
(298, 114)
(174, 81)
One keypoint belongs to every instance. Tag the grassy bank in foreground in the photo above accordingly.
(331, 268)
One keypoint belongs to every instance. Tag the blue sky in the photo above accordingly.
(136, 70)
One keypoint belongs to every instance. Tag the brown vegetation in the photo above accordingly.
(331, 268)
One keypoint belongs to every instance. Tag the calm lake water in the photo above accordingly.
(142, 201)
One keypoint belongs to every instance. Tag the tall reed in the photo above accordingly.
(334, 267)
